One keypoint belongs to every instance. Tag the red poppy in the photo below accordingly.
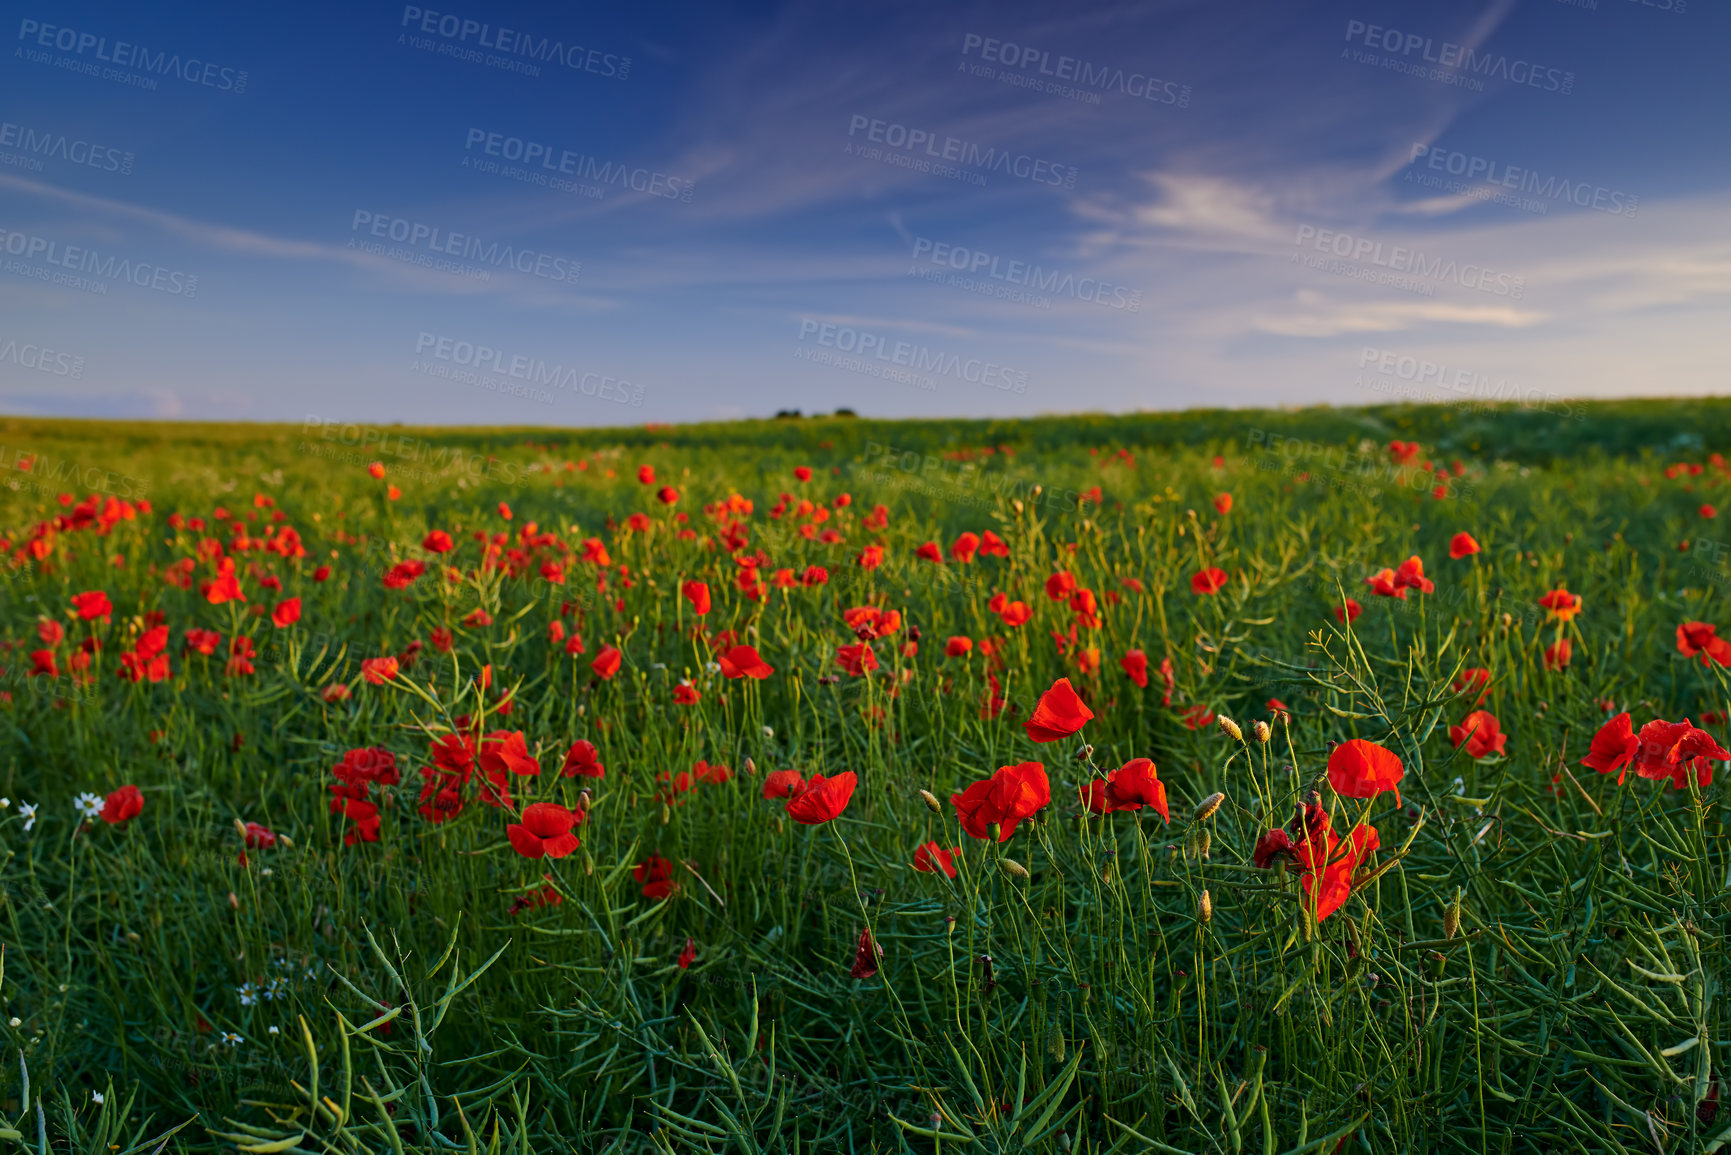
(822, 799)
(1208, 582)
(656, 875)
(1661, 750)
(545, 831)
(1277, 707)
(1482, 734)
(1223, 503)
(1557, 656)
(871, 557)
(991, 545)
(505, 751)
(226, 587)
(1361, 769)
(685, 694)
(607, 662)
(437, 541)
(704, 772)
(1474, 678)
(1410, 575)
(1462, 545)
(92, 604)
(1015, 614)
(1561, 605)
(814, 575)
(286, 614)
(646, 475)
(377, 470)
(1348, 612)
(1336, 869)
(964, 547)
(743, 662)
(857, 659)
(689, 954)
(1403, 452)
(930, 858)
(783, 783)
(1383, 583)
(697, 593)
(667, 495)
(377, 671)
(1197, 716)
(583, 760)
(930, 552)
(259, 837)
(865, 957)
(1707, 510)
(1134, 785)
(122, 806)
(1060, 586)
(1135, 664)
(1006, 798)
(1060, 713)
(1272, 845)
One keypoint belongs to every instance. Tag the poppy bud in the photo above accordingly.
(233, 902)
(1207, 807)
(1201, 841)
(1452, 916)
(995, 831)
(1013, 868)
(1434, 962)
(932, 801)
(1086, 752)
(240, 828)
(1260, 728)
(750, 766)
(1230, 728)
(1205, 907)
(286, 841)
(583, 799)
(1508, 619)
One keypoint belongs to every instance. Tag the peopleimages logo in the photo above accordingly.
(1520, 180)
(89, 261)
(917, 358)
(975, 263)
(432, 239)
(534, 370)
(1399, 259)
(123, 54)
(460, 32)
(580, 165)
(1087, 76)
(40, 358)
(961, 152)
(1460, 58)
(47, 145)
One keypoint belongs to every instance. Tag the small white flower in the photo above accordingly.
(248, 994)
(89, 805)
(274, 1031)
(1460, 785)
(769, 731)
(5, 802)
(15, 1022)
(27, 811)
(712, 667)
(96, 1096)
(232, 1039)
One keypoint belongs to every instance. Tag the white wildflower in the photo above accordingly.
(89, 805)
(27, 811)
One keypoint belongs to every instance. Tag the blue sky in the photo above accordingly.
(618, 213)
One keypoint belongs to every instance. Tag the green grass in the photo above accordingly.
(1073, 999)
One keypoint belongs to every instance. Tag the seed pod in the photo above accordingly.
(240, 829)
(1205, 907)
(932, 802)
(286, 841)
(1013, 868)
(1201, 842)
(233, 901)
(1206, 808)
(750, 766)
(1056, 1043)
(1260, 729)
(1229, 728)
(1452, 916)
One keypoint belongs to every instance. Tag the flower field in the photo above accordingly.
(1323, 780)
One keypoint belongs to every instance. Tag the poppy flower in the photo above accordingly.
(1135, 664)
(1334, 886)
(1707, 510)
(1277, 707)
(437, 541)
(1208, 582)
(1223, 503)
(930, 858)
(1462, 545)
(1134, 785)
(870, 557)
(122, 806)
(1060, 586)
(1482, 734)
(1561, 605)
(822, 799)
(865, 957)
(376, 470)
(743, 662)
(1384, 584)
(1060, 713)
(703, 772)
(646, 475)
(544, 832)
(667, 495)
(656, 875)
(1671, 749)
(43, 665)
(443, 639)
(225, 588)
(1410, 575)
(689, 954)
(857, 659)
(583, 760)
(814, 575)
(1016, 614)
(1361, 769)
(802, 472)
(1006, 798)
(505, 751)
(1693, 637)
(697, 593)
(1348, 612)
(783, 783)
(1403, 452)
(92, 604)
(1197, 716)
(607, 662)
(1557, 656)
(930, 552)
(286, 614)
(685, 694)
(958, 646)
(964, 547)
(377, 671)
(257, 836)
(991, 545)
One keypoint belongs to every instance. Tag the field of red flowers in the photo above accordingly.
(1318, 781)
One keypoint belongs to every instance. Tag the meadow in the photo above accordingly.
(1221, 781)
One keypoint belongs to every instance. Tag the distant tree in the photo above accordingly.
(845, 412)
(787, 413)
